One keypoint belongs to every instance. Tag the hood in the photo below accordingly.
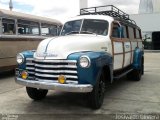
(61, 47)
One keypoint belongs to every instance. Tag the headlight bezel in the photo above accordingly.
(85, 58)
(22, 57)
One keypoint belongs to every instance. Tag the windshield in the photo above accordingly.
(71, 27)
(89, 26)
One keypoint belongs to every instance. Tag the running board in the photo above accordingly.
(123, 74)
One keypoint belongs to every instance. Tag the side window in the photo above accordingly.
(115, 30)
(47, 29)
(125, 31)
(59, 29)
(8, 26)
(131, 32)
(53, 30)
(28, 27)
(137, 33)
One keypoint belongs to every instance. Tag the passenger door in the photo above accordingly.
(117, 46)
(127, 47)
(122, 51)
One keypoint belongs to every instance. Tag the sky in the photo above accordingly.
(63, 9)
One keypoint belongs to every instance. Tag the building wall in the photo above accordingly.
(83, 4)
(147, 22)
(149, 6)
(146, 6)
(156, 6)
(150, 26)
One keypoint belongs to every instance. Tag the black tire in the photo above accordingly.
(36, 94)
(142, 65)
(97, 95)
(136, 73)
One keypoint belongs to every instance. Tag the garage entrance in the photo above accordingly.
(156, 40)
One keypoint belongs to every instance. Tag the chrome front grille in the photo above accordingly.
(51, 69)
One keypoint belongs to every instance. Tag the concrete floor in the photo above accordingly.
(124, 96)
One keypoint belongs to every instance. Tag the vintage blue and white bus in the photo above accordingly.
(99, 46)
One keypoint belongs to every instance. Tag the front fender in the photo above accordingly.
(98, 61)
(26, 54)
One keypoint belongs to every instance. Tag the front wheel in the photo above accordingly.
(36, 94)
(97, 95)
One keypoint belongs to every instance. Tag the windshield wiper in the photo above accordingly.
(88, 32)
(72, 32)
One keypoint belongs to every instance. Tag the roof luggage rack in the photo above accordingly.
(109, 10)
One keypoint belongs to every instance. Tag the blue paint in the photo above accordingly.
(98, 61)
(137, 56)
(26, 54)
(85, 75)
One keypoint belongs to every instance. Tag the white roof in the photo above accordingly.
(13, 14)
(99, 17)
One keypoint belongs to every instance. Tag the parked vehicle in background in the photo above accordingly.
(93, 49)
(20, 32)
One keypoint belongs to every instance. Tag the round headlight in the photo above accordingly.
(20, 58)
(85, 61)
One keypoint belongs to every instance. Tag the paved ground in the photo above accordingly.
(124, 96)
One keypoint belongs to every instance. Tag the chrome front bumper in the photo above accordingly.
(70, 87)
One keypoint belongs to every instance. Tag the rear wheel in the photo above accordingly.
(136, 73)
(97, 95)
(36, 94)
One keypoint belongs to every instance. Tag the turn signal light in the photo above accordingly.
(24, 75)
(62, 79)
